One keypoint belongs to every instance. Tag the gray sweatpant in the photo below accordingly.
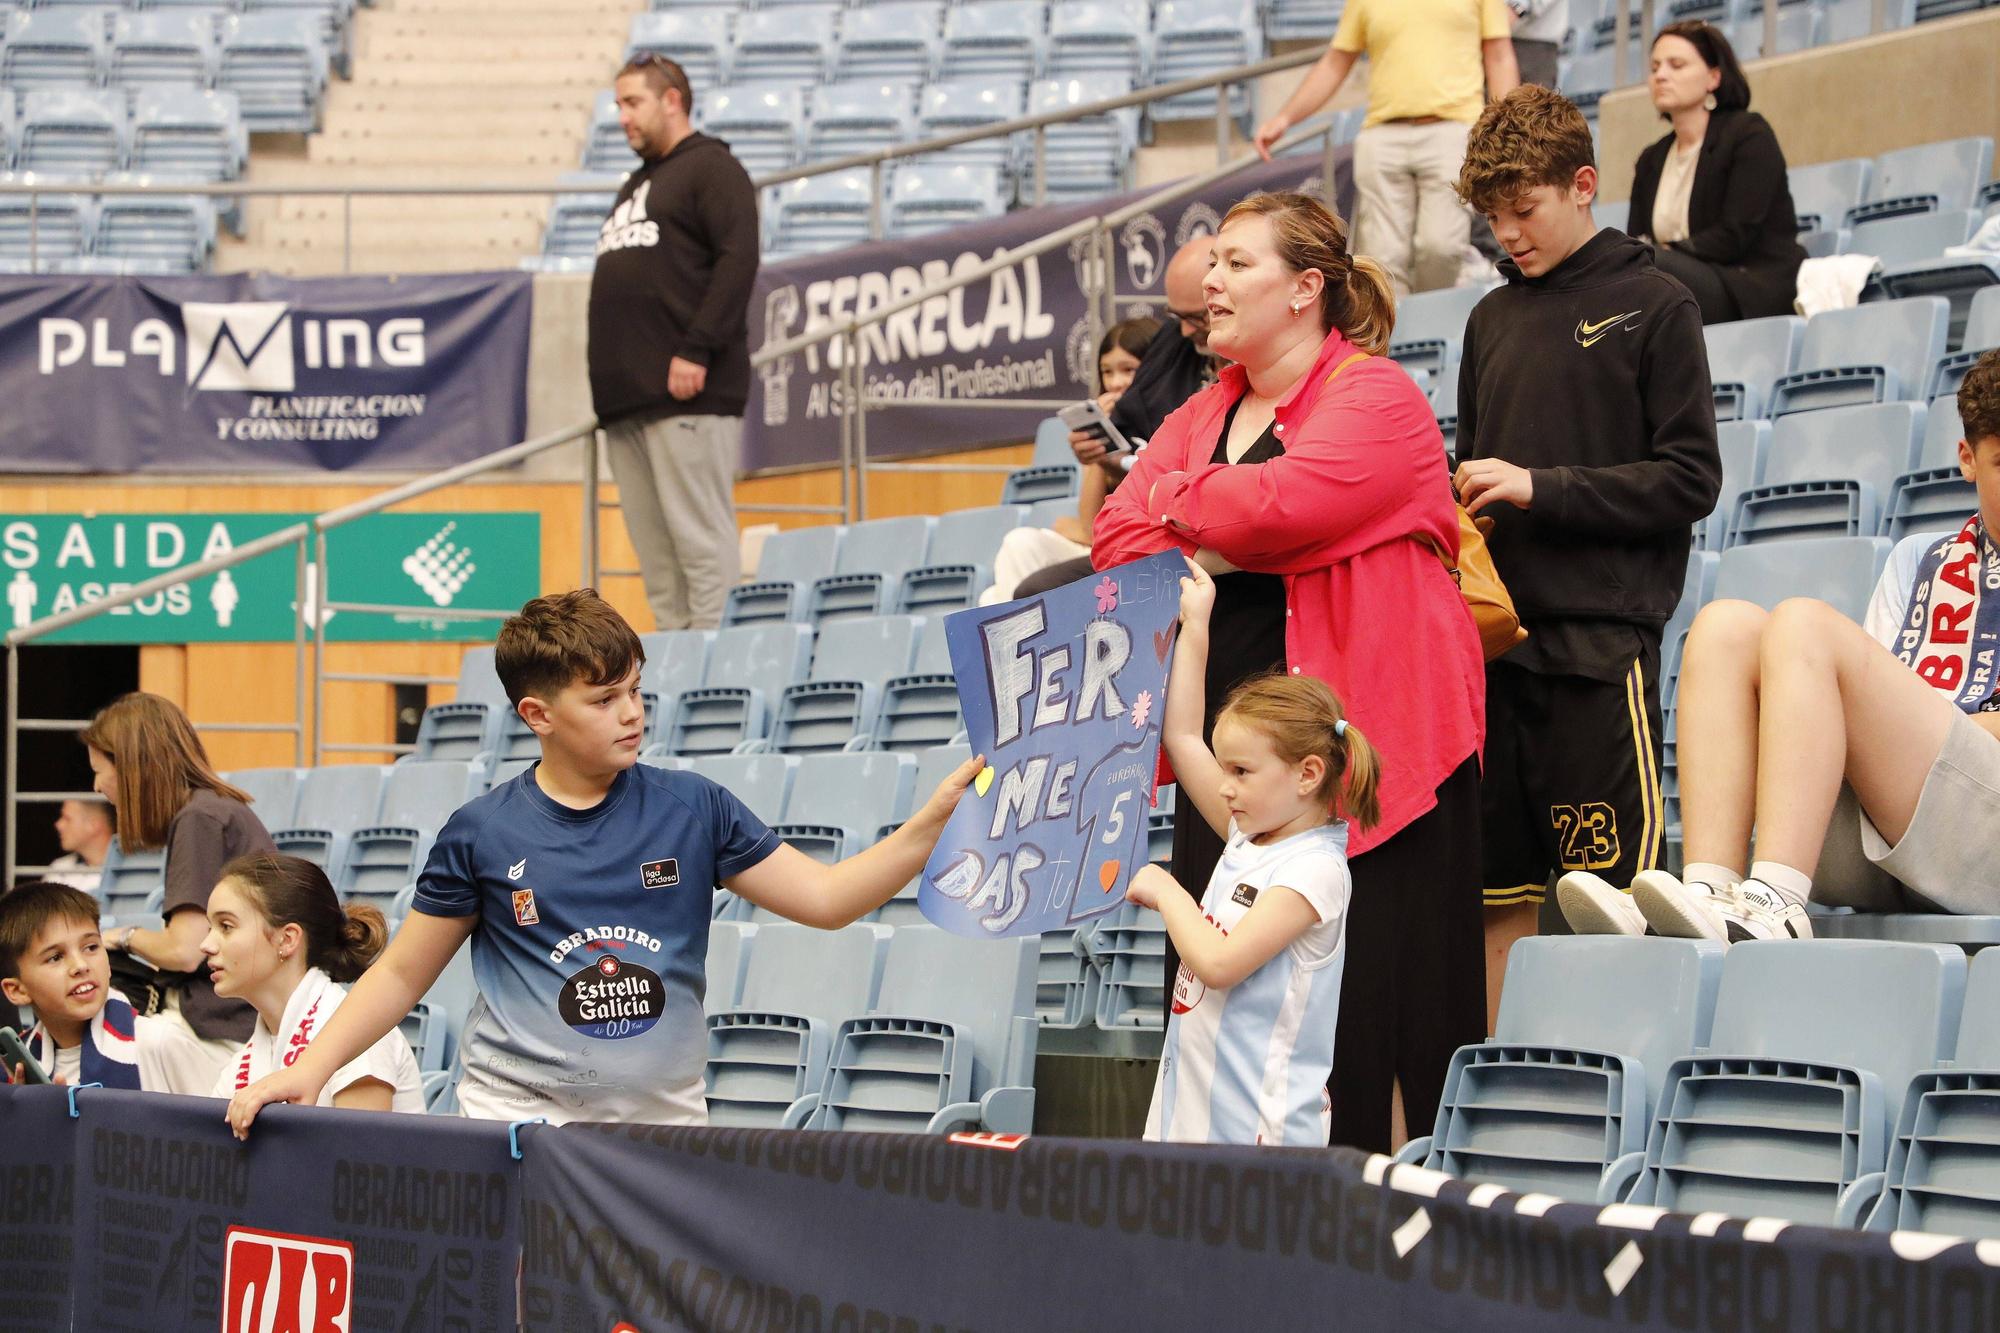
(676, 483)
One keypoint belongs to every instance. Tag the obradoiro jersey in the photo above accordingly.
(591, 942)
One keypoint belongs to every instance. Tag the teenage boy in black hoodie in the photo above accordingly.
(1586, 431)
(669, 350)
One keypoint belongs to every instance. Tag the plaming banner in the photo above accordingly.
(254, 373)
(1021, 333)
(1063, 693)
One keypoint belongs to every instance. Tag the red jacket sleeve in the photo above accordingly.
(1350, 479)
(1125, 530)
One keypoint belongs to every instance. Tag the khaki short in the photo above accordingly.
(1948, 859)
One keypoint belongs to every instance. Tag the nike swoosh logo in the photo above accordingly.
(1589, 334)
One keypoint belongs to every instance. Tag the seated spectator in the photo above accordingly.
(279, 938)
(1778, 709)
(84, 830)
(1027, 550)
(52, 960)
(1712, 196)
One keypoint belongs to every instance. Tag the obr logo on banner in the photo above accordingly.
(272, 1281)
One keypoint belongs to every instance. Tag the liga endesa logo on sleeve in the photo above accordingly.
(273, 1281)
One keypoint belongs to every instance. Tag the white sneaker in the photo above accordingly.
(1750, 911)
(1593, 907)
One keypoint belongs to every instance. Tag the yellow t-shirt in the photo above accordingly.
(1423, 55)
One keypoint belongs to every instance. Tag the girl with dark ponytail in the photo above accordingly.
(279, 938)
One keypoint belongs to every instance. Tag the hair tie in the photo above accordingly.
(1340, 728)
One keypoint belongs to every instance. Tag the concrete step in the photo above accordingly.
(503, 158)
(497, 7)
(484, 25)
(493, 78)
(460, 210)
(449, 102)
(241, 258)
(503, 125)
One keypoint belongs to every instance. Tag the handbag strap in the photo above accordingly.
(1335, 372)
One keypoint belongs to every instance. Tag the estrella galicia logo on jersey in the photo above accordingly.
(271, 1281)
(661, 874)
(612, 998)
(1188, 990)
(1589, 334)
(525, 913)
(1244, 896)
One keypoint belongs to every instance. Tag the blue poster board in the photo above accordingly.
(1063, 693)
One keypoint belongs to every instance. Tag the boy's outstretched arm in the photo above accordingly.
(1195, 769)
(1222, 960)
(801, 889)
(380, 1000)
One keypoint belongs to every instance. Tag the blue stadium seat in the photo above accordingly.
(129, 884)
(1840, 571)
(330, 20)
(273, 793)
(1743, 445)
(835, 706)
(1603, 28)
(960, 563)
(1051, 444)
(763, 782)
(1940, 1176)
(71, 133)
(1111, 37)
(1192, 38)
(1444, 402)
(468, 726)
(186, 134)
(840, 803)
(1874, 353)
(953, 105)
(576, 219)
(1926, 178)
(1087, 157)
(920, 710)
(1828, 473)
(41, 234)
(423, 1027)
(334, 800)
(1746, 357)
(451, 998)
(1302, 20)
(1813, 1045)
(948, 1046)
(874, 556)
(995, 41)
(676, 660)
(791, 560)
(1800, 28)
(47, 48)
(748, 668)
(729, 946)
(792, 43)
(1697, 589)
(1909, 238)
(1854, 20)
(1033, 485)
(897, 41)
(819, 213)
(605, 148)
(1959, 279)
(1128, 946)
(1430, 326)
(694, 41)
(770, 1049)
(276, 65)
(1981, 334)
(384, 855)
(861, 116)
(1823, 193)
(1559, 1100)
(762, 123)
(931, 196)
(1066, 983)
(1934, 495)
(1587, 78)
(175, 49)
(154, 233)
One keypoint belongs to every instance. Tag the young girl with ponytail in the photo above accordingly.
(279, 938)
(1257, 998)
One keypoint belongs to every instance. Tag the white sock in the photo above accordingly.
(1794, 886)
(1709, 875)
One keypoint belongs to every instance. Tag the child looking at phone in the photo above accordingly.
(1250, 1039)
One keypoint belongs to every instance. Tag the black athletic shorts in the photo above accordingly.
(1572, 778)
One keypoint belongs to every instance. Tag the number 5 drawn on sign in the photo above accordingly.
(1588, 835)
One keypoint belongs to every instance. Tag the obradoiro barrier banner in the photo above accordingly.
(1063, 693)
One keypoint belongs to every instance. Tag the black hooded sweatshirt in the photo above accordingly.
(675, 264)
(1595, 378)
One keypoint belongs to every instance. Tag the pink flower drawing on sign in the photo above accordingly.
(1107, 596)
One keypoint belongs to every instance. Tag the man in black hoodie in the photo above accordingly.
(1586, 430)
(669, 350)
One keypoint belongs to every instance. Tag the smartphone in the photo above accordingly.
(1088, 416)
(15, 1052)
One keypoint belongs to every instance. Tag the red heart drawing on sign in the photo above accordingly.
(1107, 874)
(1163, 639)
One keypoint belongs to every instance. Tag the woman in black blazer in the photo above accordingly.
(1734, 243)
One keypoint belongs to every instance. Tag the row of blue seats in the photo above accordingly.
(68, 233)
(1838, 1082)
(276, 63)
(80, 134)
